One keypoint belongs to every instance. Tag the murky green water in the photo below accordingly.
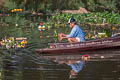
(24, 64)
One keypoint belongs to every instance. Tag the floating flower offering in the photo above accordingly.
(41, 27)
(12, 42)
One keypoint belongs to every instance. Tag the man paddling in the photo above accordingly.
(76, 34)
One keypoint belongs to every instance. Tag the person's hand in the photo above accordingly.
(60, 39)
(61, 36)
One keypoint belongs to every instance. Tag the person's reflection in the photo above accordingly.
(76, 66)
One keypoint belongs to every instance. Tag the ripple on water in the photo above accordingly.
(30, 66)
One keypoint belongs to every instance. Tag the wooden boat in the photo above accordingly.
(81, 46)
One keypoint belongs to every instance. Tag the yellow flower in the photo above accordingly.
(22, 46)
(8, 39)
(15, 10)
(18, 45)
(20, 9)
(12, 10)
(22, 42)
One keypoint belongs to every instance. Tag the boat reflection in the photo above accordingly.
(95, 65)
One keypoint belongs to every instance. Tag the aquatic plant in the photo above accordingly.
(93, 18)
(12, 42)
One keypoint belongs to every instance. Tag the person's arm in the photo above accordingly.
(72, 33)
(62, 36)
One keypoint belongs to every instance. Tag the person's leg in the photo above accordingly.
(72, 40)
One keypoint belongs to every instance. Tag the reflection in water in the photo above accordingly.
(100, 70)
(76, 66)
(23, 65)
(51, 70)
(26, 65)
(11, 69)
(103, 65)
(35, 68)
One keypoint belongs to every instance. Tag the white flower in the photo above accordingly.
(43, 27)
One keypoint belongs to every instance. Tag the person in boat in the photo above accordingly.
(76, 34)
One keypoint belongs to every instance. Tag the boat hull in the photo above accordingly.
(65, 48)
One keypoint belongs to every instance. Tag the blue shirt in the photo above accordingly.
(77, 32)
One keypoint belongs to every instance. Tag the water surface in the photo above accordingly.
(26, 65)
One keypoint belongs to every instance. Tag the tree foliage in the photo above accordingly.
(52, 5)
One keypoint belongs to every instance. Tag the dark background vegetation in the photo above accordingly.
(100, 13)
(46, 6)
